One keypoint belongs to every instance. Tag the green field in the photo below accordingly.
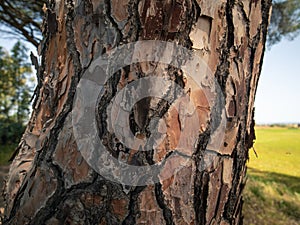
(272, 193)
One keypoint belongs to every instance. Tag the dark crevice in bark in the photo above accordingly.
(222, 72)
(265, 8)
(112, 21)
(201, 179)
(220, 197)
(71, 42)
(101, 116)
(167, 213)
(197, 10)
(135, 24)
(243, 12)
(245, 17)
(110, 91)
(240, 156)
(238, 164)
(230, 26)
(133, 206)
(253, 46)
(47, 212)
(250, 137)
(200, 196)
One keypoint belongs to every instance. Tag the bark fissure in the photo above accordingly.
(167, 213)
(201, 179)
(230, 36)
(133, 207)
(112, 21)
(200, 199)
(233, 194)
(46, 213)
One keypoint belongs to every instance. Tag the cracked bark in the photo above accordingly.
(50, 183)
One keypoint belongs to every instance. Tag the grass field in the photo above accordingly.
(272, 193)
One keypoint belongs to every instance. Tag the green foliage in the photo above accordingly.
(285, 21)
(15, 93)
(6, 152)
(10, 131)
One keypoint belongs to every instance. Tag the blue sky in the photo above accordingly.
(278, 94)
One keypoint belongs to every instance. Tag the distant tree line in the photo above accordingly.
(15, 93)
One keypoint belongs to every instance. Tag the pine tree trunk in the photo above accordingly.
(51, 181)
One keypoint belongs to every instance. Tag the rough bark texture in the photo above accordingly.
(49, 181)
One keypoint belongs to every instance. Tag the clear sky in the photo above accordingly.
(278, 95)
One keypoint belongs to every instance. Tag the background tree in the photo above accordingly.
(285, 21)
(50, 182)
(15, 93)
(22, 18)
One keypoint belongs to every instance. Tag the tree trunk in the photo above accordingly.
(204, 129)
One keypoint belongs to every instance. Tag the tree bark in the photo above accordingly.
(51, 182)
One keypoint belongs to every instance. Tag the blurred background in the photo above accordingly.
(272, 193)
